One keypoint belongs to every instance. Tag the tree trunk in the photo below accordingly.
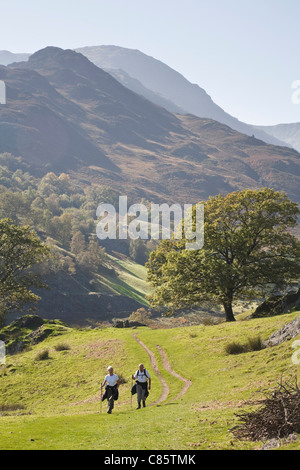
(228, 311)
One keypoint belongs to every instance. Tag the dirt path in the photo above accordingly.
(168, 368)
(165, 387)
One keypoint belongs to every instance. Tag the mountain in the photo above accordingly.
(165, 83)
(39, 124)
(289, 133)
(64, 113)
(160, 84)
(7, 57)
(136, 86)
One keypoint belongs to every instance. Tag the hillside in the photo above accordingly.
(66, 114)
(87, 281)
(160, 84)
(82, 299)
(54, 403)
(147, 75)
(289, 133)
(7, 57)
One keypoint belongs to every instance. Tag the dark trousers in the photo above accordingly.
(110, 398)
(141, 391)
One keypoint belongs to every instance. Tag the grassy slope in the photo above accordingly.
(129, 279)
(61, 394)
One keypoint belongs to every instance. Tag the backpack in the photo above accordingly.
(144, 373)
(133, 390)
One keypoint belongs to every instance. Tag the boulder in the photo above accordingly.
(28, 321)
(127, 324)
(39, 335)
(287, 332)
(278, 305)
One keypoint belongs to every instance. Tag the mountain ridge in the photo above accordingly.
(66, 114)
(289, 132)
(190, 99)
(7, 57)
(158, 77)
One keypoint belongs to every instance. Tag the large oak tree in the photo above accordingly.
(20, 251)
(248, 249)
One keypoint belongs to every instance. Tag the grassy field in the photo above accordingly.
(129, 279)
(54, 403)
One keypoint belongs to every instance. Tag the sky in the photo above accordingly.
(244, 53)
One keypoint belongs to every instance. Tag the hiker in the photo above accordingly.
(112, 383)
(142, 376)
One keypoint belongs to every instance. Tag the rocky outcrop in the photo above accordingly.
(28, 331)
(278, 305)
(287, 332)
(127, 324)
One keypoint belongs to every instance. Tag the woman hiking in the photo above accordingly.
(112, 383)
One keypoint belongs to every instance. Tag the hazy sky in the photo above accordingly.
(244, 53)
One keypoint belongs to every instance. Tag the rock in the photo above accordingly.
(39, 335)
(28, 321)
(278, 305)
(16, 347)
(127, 324)
(27, 331)
(275, 443)
(292, 438)
(271, 444)
(287, 332)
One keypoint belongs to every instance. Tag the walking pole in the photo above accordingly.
(101, 401)
(130, 392)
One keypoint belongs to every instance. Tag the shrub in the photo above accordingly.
(193, 335)
(208, 321)
(42, 356)
(62, 347)
(235, 348)
(255, 344)
(142, 316)
(11, 407)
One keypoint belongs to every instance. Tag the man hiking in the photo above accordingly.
(142, 376)
(112, 383)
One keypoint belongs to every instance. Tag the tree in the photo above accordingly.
(138, 251)
(141, 315)
(60, 228)
(93, 257)
(247, 250)
(14, 206)
(78, 244)
(20, 250)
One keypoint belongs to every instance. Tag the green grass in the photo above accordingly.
(130, 279)
(58, 397)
